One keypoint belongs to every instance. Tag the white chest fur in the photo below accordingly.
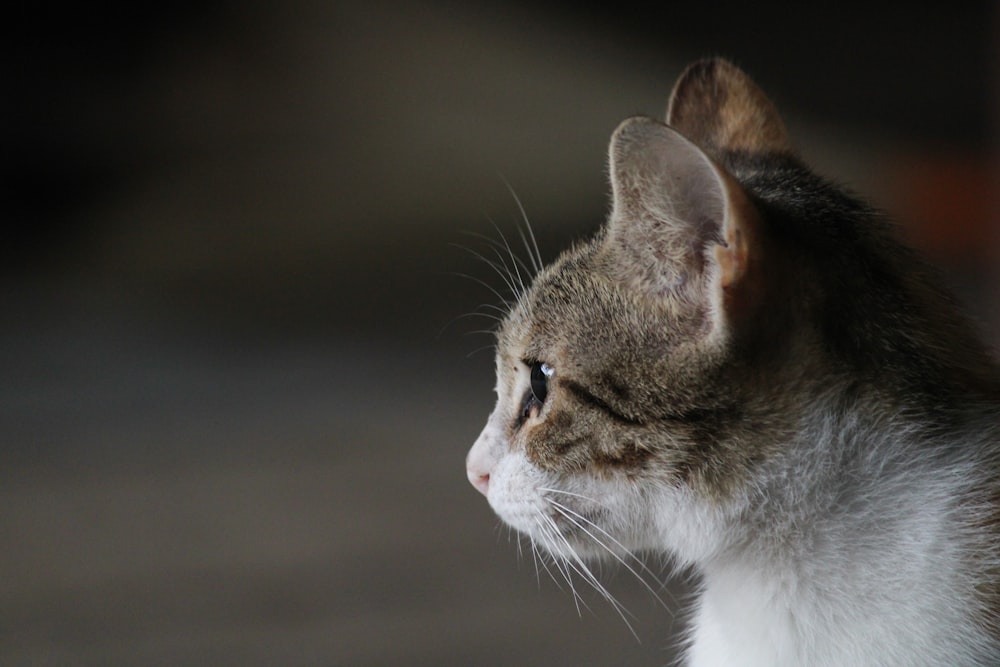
(883, 592)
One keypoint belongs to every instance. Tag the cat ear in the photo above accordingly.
(679, 222)
(717, 106)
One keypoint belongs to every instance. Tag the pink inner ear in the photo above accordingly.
(740, 233)
(731, 259)
(672, 207)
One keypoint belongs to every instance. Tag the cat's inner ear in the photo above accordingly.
(718, 107)
(678, 220)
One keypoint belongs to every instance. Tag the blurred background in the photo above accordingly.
(237, 384)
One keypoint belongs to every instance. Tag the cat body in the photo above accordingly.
(745, 371)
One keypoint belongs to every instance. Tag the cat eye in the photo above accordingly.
(540, 374)
(538, 390)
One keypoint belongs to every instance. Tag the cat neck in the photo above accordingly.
(819, 558)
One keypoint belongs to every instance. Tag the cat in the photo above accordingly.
(745, 371)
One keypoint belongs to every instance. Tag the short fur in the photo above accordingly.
(751, 375)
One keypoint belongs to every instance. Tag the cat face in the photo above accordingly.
(601, 400)
(624, 380)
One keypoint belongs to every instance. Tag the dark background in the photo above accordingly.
(237, 386)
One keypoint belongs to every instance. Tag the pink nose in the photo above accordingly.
(480, 480)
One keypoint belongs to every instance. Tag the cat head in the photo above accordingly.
(649, 367)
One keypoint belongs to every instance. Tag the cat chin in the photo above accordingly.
(569, 516)
(565, 540)
(577, 516)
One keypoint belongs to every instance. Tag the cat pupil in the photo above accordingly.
(540, 374)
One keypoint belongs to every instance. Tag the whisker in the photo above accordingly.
(464, 316)
(498, 528)
(491, 346)
(570, 493)
(476, 313)
(536, 262)
(534, 559)
(513, 257)
(579, 520)
(497, 245)
(577, 564)
(541, 558)
(502, 312)
(510, 270)
(503, 272)
(562, 567)
(536, 257)
(488, 332)
(485, 284)
(628, 552)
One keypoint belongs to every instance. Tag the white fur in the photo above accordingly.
(849, 549)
